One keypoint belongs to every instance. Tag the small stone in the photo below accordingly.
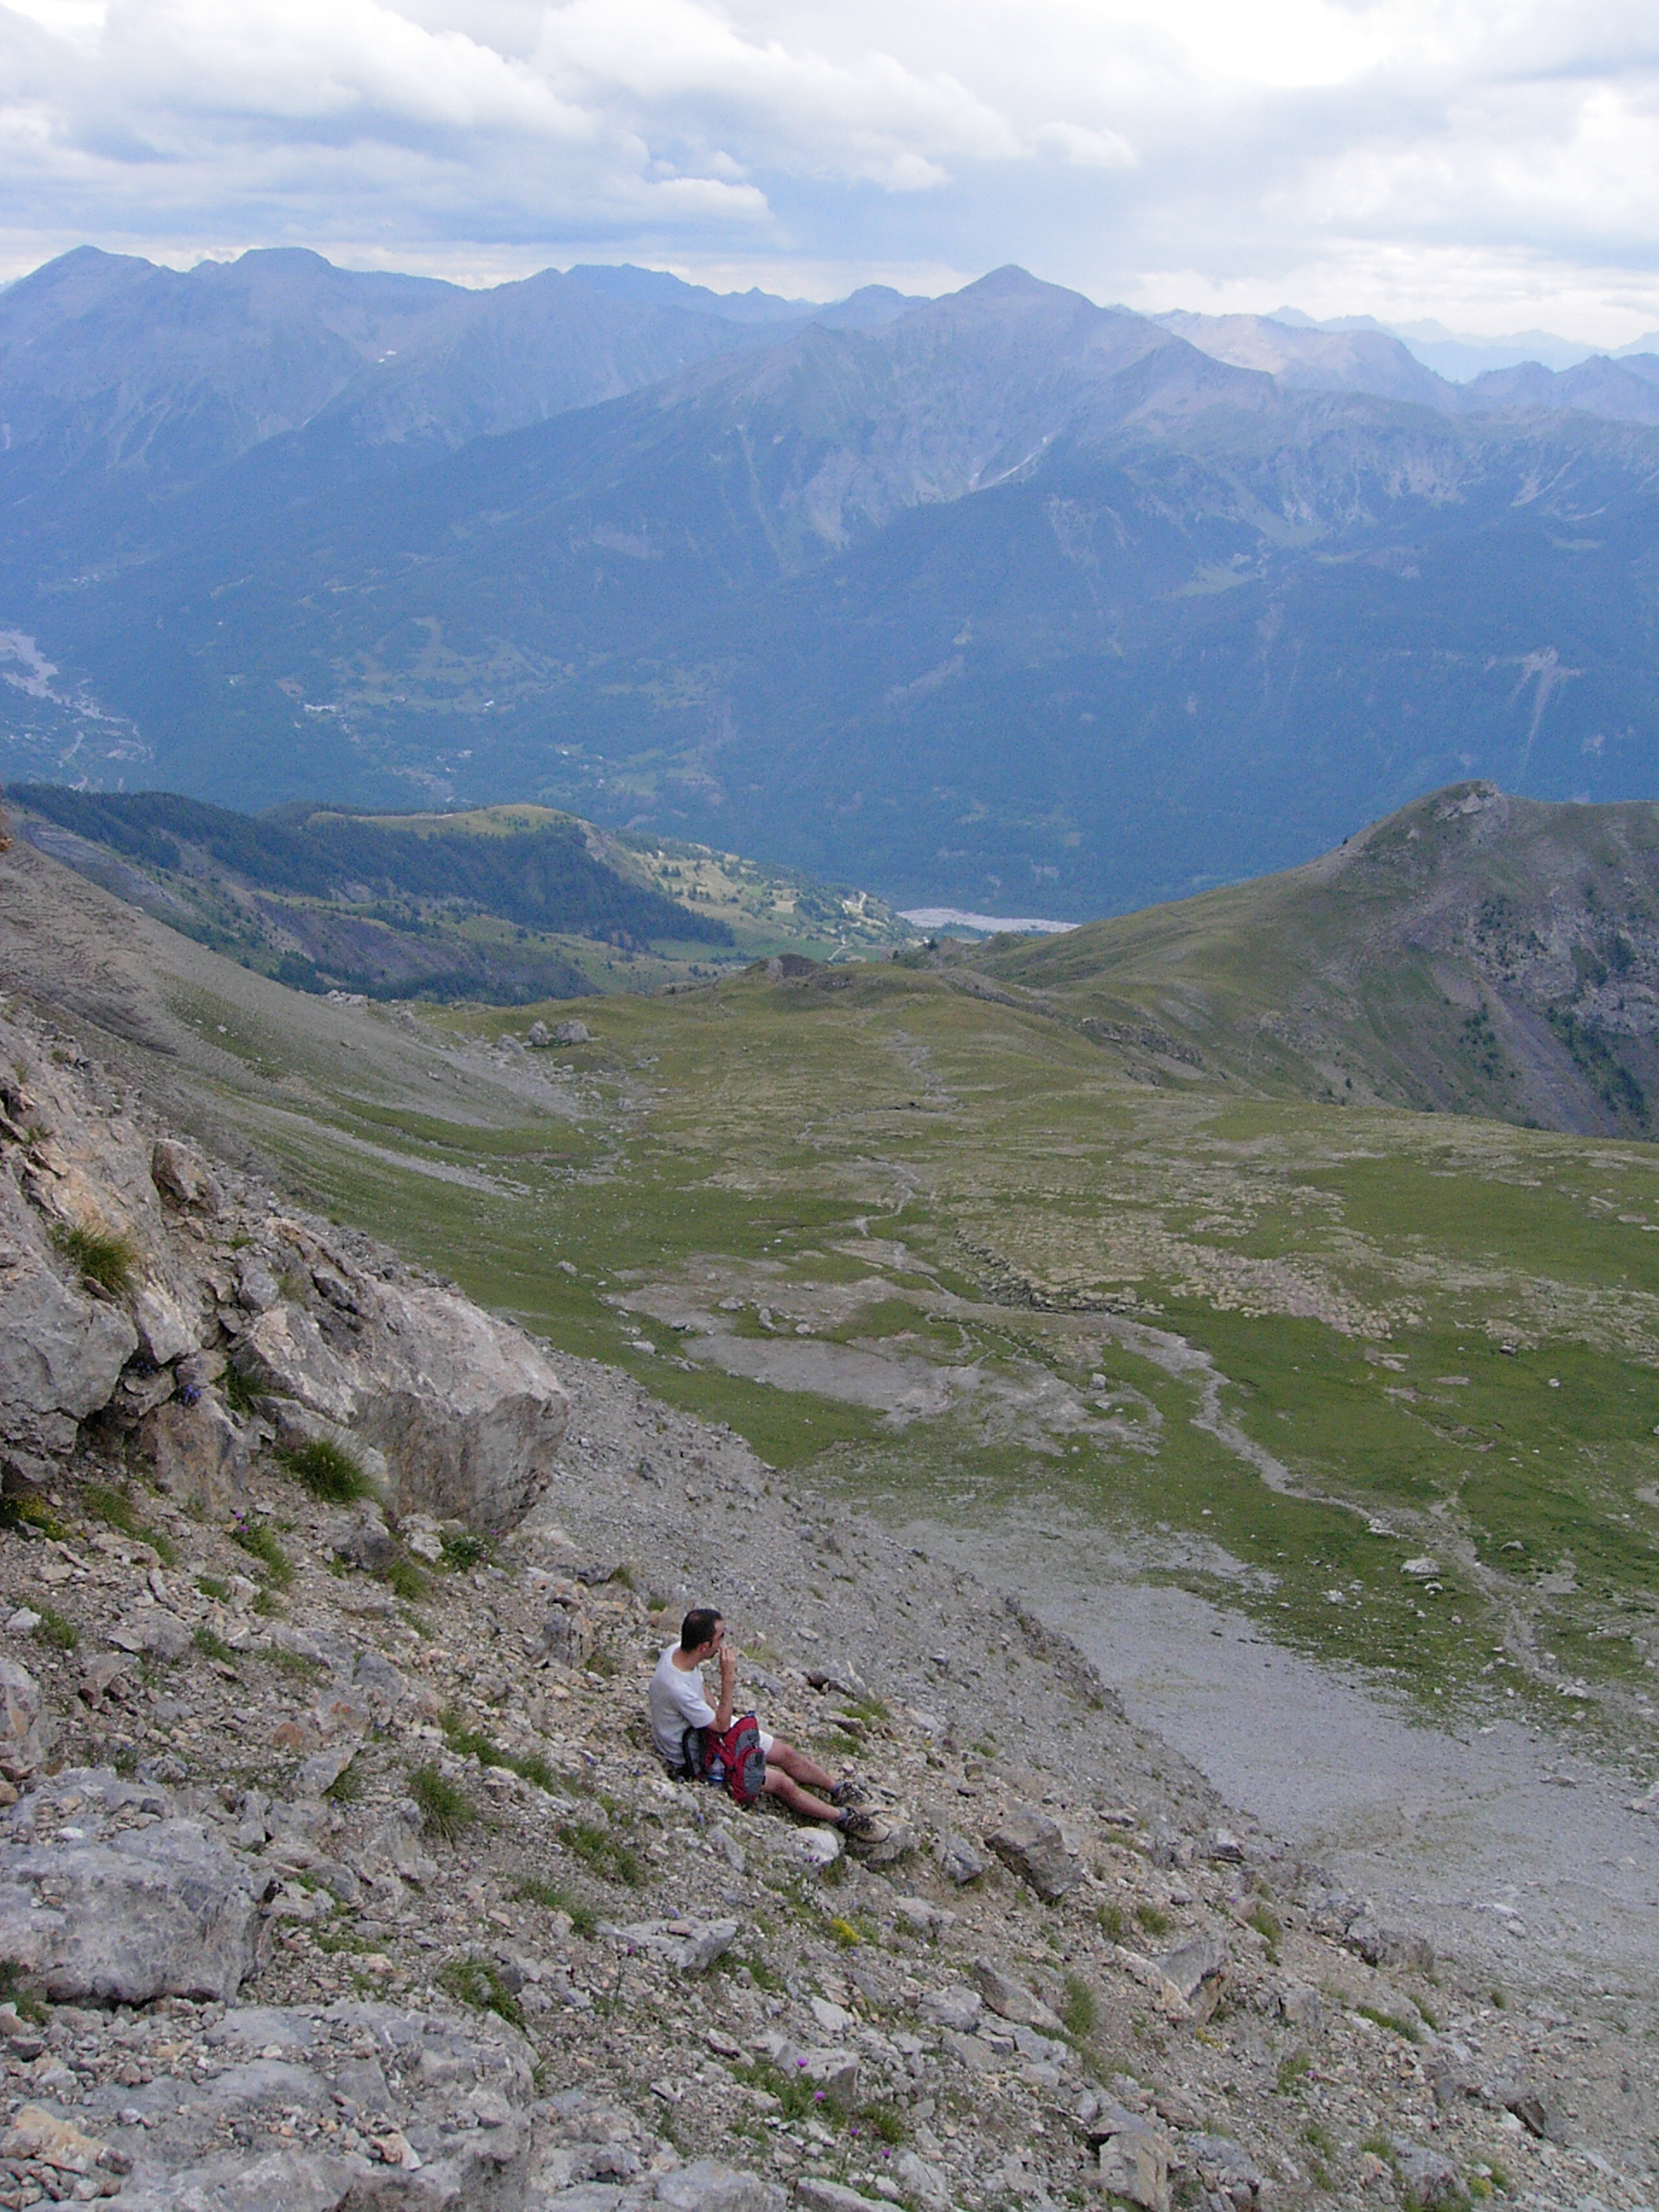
(956, 1858)
(1133, 2163)
(957, 2007)
(56, 2142)
(922, 1917)
(835, 2073)
(180, 1173)
(24, 1730)
(1012, 2000)
(1033, 1846)
(705, 2186)
(1193, 1975)
(1428, 2178)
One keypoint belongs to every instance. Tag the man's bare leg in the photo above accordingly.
(783, 1786)
(797, 1765)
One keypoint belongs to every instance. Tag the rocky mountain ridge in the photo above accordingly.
(335, 1871)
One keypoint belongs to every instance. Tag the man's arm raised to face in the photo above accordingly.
(728, 1689)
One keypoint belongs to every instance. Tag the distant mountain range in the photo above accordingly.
(1002, 602)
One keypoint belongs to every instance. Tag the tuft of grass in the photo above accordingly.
(214, 1585)
(474, 1743)
(117, 1511)
(445, 1809)
(1079, 2011)
(885, 2121)
(584, 1920)
(346, 1787)
(213, 1646)
(1268, 1926)
(52, 1628)
(796, 2095)
(603, 1853)
(1395, 2022)
(1156, 1923)
(478, 1982)
(293, 1663)
(462, 1552)
(1112, 1924)
(258, 1540)
(327, 1470)
(407, 1580)
(1292, 2068)
(240, 1395)
(1499, 2001)
(15, 1992)
(27, 1508)
(107, 1257)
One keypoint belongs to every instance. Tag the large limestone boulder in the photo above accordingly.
(200, 1455)
(464, 1406)
(62, 1351)
(158, 1911)
(1033, 1846)
(25, 1731)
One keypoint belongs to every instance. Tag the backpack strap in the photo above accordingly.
(693, 1755)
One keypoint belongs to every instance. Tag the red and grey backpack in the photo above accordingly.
(740, 1757)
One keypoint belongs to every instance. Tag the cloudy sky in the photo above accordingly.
(1492, 163)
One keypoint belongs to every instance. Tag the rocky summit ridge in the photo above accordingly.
(335, 1870)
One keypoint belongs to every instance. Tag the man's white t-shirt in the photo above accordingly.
(677, 1703)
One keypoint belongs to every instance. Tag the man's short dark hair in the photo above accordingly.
(698, 1627)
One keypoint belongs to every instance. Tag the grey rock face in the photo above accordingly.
(706, 2186)
(573, 1033)
(180, 1173)
(1227, 2171)
(1427, 2177)
(200, 1455)
(155, 1630)
(1031, 1845)
(24, 1733)
(444, 2129)
(957, 1860)
(693, 1945)
(819, 2195)
(166, 1331)
(158, 1911)
(569, 1632)
(61, 1352)
(957, 2007)
(1012, 2000)
(468, 1412)
(1382, 1946)
(1133, 2160)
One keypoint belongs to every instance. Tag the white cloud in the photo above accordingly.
(1483, 160)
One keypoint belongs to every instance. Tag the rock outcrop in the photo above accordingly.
(132, 1277)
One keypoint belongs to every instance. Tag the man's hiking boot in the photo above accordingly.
(857, 1826)
(849, 1794)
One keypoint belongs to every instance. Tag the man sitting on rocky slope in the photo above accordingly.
(678, 1705)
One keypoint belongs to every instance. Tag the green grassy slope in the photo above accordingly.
(933, 1247)
(505, 904)
(1473, 953)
